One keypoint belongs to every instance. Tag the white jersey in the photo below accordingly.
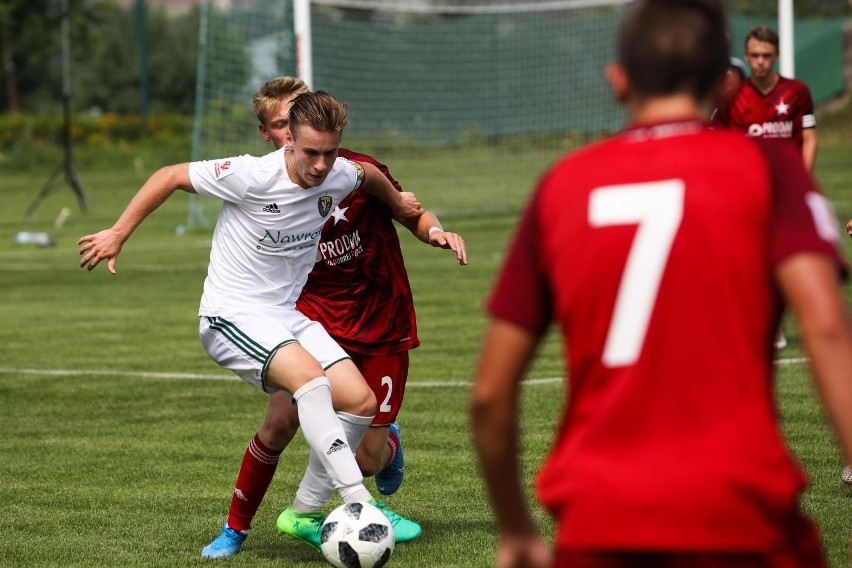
(266, 237)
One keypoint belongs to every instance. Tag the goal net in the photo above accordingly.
(466, 102)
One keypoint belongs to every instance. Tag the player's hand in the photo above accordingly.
(849, 228)
(408, 206)
(452, 241)
(517, 551)
(104, 245)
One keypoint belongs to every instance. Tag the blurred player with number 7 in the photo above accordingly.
(669, 453)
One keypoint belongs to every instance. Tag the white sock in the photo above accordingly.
(316, 487)
(326, 437)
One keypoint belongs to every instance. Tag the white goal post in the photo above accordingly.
(466, 101)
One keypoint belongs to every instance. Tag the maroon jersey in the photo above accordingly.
(359, 289)
(782, 113)
(660, 274)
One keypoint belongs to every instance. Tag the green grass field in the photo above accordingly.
(121, 440)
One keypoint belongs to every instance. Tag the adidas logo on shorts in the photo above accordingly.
(271, 208)
(337, 446)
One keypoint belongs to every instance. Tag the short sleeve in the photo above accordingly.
(803, 220)
(521, 294)
(808, 117)
(360, 176)
(226, 179)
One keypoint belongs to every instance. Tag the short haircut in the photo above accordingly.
(273, 92)
(763, 33)
(319, 110)
(674, 46)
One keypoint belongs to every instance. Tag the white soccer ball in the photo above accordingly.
(357, 535)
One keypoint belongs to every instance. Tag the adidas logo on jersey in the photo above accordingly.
(271, 208)
(337, 446)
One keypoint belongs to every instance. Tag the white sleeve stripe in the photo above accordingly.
(808, 121)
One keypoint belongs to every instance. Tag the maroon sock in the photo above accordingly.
(256, 473)
(393, 444)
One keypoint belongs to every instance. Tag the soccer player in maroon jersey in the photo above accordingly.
(768, 105)
(359, 291)
(669, 452)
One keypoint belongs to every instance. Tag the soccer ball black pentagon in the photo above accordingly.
(357, 535)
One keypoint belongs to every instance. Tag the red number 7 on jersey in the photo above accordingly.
(657, 208)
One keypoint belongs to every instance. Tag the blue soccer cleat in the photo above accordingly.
(389, 479)
(228, 543)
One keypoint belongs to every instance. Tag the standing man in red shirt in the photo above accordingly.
(767, 105)
(359, 291)
(669, 451)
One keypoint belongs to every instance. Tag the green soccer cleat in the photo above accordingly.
(306, 527)
(404, 529)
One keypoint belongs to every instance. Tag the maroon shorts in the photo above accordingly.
(386, 375)
(566, 559)
(801, 547)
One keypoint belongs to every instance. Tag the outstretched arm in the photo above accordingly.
(810, 285)
(428, 229)
(106, 244)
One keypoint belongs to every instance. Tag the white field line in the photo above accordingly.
(431, 384)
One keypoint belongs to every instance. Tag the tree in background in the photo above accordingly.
(105, 58)
(29, 41)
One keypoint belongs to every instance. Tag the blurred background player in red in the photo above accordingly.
(359, 291)
(767, 105)
(736, 73)
(669, 452)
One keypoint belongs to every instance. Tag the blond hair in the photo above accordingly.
(319, 110)
(273, 92)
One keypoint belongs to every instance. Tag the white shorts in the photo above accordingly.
(245, 340)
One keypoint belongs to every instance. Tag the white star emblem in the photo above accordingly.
(339, 214)
(782, 108)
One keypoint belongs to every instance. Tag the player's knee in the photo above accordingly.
(281, 421)
(279, 429)
(353, 399)
(365, 404)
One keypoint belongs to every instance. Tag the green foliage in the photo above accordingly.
(90, 130)
(172, 61)
(33, 142)
(105, 57)
(29, 37)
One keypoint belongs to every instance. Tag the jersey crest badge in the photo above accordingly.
(324, 205)
(359, 170)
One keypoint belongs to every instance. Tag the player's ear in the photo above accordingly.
(616, 76)
(263, 132)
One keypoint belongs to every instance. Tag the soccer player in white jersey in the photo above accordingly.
(264, 246)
